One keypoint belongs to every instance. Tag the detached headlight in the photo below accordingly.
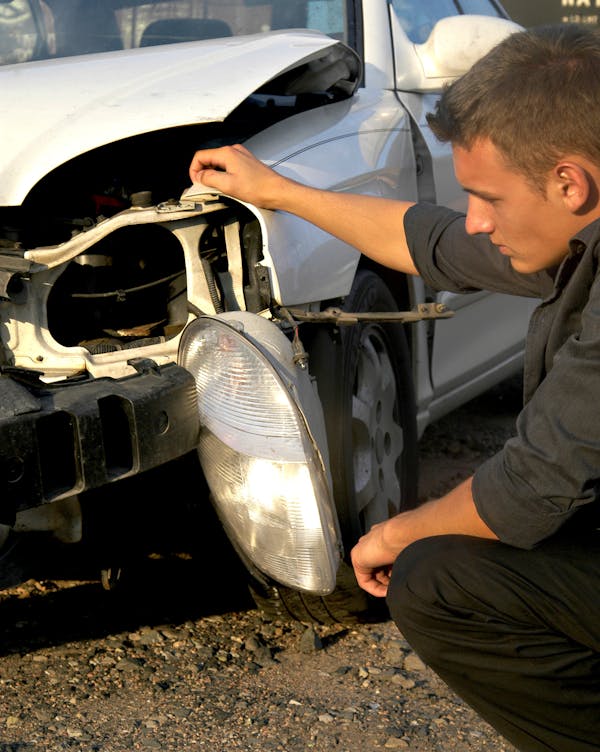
(257, 453)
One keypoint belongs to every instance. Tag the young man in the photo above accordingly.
(497, 584)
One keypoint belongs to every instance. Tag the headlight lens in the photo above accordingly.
(261, 464)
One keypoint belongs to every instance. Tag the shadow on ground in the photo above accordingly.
(175, 560)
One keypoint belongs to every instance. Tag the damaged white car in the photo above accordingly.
(142, 321)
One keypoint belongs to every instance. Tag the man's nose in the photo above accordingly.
(478, 218)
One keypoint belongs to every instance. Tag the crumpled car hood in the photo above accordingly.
(54, 110)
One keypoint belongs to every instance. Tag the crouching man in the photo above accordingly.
(497, 584)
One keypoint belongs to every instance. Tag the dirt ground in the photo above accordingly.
(180, 659)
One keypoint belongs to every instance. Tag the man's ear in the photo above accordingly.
(575, 186)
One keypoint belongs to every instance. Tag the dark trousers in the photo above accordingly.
(515, 633)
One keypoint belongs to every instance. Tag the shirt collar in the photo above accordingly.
(586, 237)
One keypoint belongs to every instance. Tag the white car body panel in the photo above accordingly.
(379, 54)
(79, 103)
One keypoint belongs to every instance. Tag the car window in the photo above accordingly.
(418, 17)
(18, 32)
(328, 17)
(39, 29)
(539, 12)
(481, 7)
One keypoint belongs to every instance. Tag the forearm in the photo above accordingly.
(454, 513)
(372, 225)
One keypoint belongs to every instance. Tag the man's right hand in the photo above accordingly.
(372, 561)
(236, 172)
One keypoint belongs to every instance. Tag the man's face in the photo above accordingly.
(531, 228)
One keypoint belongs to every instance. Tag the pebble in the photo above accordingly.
(403, 681)
(310, 641)
(150, 637)
(395, 743)
(412, 662)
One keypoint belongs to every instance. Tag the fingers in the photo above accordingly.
(207, 163)
(204, 164)
(383, 576)
(372, 564)
(236, 172)
(374, 580)
(223, 159)
(373, 584)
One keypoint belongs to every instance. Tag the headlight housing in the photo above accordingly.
(258, 454)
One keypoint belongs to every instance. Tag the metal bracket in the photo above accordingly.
(338, 316)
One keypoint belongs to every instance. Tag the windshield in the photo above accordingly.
(42, 29)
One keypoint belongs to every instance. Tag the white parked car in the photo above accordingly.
(142, 320)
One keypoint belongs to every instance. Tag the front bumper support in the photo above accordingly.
(61, 440)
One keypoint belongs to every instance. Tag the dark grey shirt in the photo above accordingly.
(551, 468)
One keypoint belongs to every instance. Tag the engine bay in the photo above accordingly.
(74, 275)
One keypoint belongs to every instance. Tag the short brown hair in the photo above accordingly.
(535, 96)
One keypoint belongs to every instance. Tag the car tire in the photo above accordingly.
(364, 377)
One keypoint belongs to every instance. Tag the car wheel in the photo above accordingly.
(364, 378)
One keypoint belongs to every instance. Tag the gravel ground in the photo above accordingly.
(180, 659)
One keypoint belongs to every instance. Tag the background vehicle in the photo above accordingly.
(143, 322)
(538, 12)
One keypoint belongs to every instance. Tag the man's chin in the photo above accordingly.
(515, 262)
(522, 266)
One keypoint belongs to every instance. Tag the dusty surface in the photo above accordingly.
(181, 660)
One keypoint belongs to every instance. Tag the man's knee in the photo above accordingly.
(433, 576)
(414, 574)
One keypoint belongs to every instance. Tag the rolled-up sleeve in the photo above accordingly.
(551, 468)
(448, 258)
